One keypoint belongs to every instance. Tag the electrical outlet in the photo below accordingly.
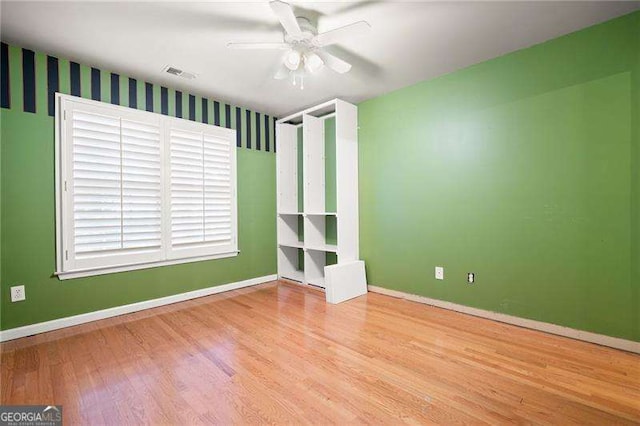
(17, 293)
(471, 277)
(439, 273)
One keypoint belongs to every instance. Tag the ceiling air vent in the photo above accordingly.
(178, 72)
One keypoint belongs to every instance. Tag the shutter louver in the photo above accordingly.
(201, 189)
(141, 185)
(187, 190)
(218, 190)
(96, 183)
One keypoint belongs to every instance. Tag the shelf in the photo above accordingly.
(300, 245)
(317, 166)
(326, 247)
(296, 244)
(294, 275)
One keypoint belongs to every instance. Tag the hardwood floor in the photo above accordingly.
(276, 353)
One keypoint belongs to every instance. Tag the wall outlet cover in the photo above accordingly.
(439, 273)
(471, 277)
(17, 293)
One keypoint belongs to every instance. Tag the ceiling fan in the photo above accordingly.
(304, 45)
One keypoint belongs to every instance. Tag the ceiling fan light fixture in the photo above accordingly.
(312, 62)
(292, 60)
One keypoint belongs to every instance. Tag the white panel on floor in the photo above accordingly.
(345, 281)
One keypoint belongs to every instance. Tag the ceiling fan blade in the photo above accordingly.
(333, 62)
(341, 34)
(285, 15)
(281, 46)
(282, 73)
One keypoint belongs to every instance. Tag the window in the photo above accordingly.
(136, 189)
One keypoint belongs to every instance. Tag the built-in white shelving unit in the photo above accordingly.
(317, 178)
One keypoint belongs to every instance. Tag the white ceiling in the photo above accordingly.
(409, 41)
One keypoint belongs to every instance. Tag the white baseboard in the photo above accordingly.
(43, 327)
(600, 339)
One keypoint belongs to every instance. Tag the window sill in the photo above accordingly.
(68, 275)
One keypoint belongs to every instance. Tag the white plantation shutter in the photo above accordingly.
(202, 166)
(97, 169)
(141, 185)
(138, 188)
(115, 196)
(218, 190)
(187, 188)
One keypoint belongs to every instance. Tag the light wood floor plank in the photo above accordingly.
(277, 353)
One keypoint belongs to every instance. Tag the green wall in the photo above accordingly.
(28, 209)
(522, 169)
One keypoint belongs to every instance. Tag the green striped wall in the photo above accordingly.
(27, 208)
(35, 83)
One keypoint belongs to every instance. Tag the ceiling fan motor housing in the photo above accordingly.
(302, 47)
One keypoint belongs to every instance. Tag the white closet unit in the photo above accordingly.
(317, 178)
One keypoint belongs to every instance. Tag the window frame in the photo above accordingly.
(67, 266)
